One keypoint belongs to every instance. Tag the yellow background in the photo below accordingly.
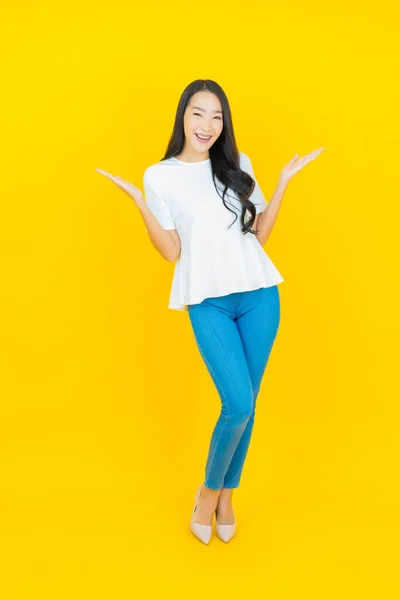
(107, 408)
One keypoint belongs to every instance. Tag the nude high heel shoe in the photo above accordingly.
(203, 532)
(225, 532)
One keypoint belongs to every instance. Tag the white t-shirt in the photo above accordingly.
(215, 260)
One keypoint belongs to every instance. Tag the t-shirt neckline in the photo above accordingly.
(197, 162)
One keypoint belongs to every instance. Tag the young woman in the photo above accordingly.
(223, 278)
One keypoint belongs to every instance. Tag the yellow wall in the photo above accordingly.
(107, 407)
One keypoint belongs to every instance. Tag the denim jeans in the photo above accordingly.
(234, 334)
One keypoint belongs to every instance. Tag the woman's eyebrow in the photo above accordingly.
(198, 107)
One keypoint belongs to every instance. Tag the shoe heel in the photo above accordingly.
(203, 532)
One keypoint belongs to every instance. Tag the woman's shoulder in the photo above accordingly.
(157, 170)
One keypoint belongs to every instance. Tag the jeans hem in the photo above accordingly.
(211, 487)
(227, 487)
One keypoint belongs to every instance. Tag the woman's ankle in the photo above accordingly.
(226, 494)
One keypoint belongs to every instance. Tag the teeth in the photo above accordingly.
(203, 138)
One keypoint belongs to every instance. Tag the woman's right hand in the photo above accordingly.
(132, 191)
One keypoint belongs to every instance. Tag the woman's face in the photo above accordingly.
(203, 117)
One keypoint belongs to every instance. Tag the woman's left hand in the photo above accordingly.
(298, 163)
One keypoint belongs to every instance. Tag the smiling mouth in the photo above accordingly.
(205, 139)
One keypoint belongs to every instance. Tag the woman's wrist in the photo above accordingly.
(283, 180)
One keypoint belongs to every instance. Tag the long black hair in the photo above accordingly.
(224, 155)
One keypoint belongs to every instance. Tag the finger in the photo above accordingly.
(104, 173)
(316, 152)
(311, 156)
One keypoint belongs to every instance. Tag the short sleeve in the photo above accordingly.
(157, 204)
(257, 197)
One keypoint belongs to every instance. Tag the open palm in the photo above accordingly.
(298, 163)
(134, 192)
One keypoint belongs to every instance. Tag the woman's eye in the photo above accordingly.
(198, 114)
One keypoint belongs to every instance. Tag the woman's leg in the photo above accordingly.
(219, 342)
(257, 322)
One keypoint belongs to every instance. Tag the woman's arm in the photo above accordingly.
(269, 215)
(165, 241)
(266, 219)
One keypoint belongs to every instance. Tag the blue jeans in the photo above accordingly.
(235, 334)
